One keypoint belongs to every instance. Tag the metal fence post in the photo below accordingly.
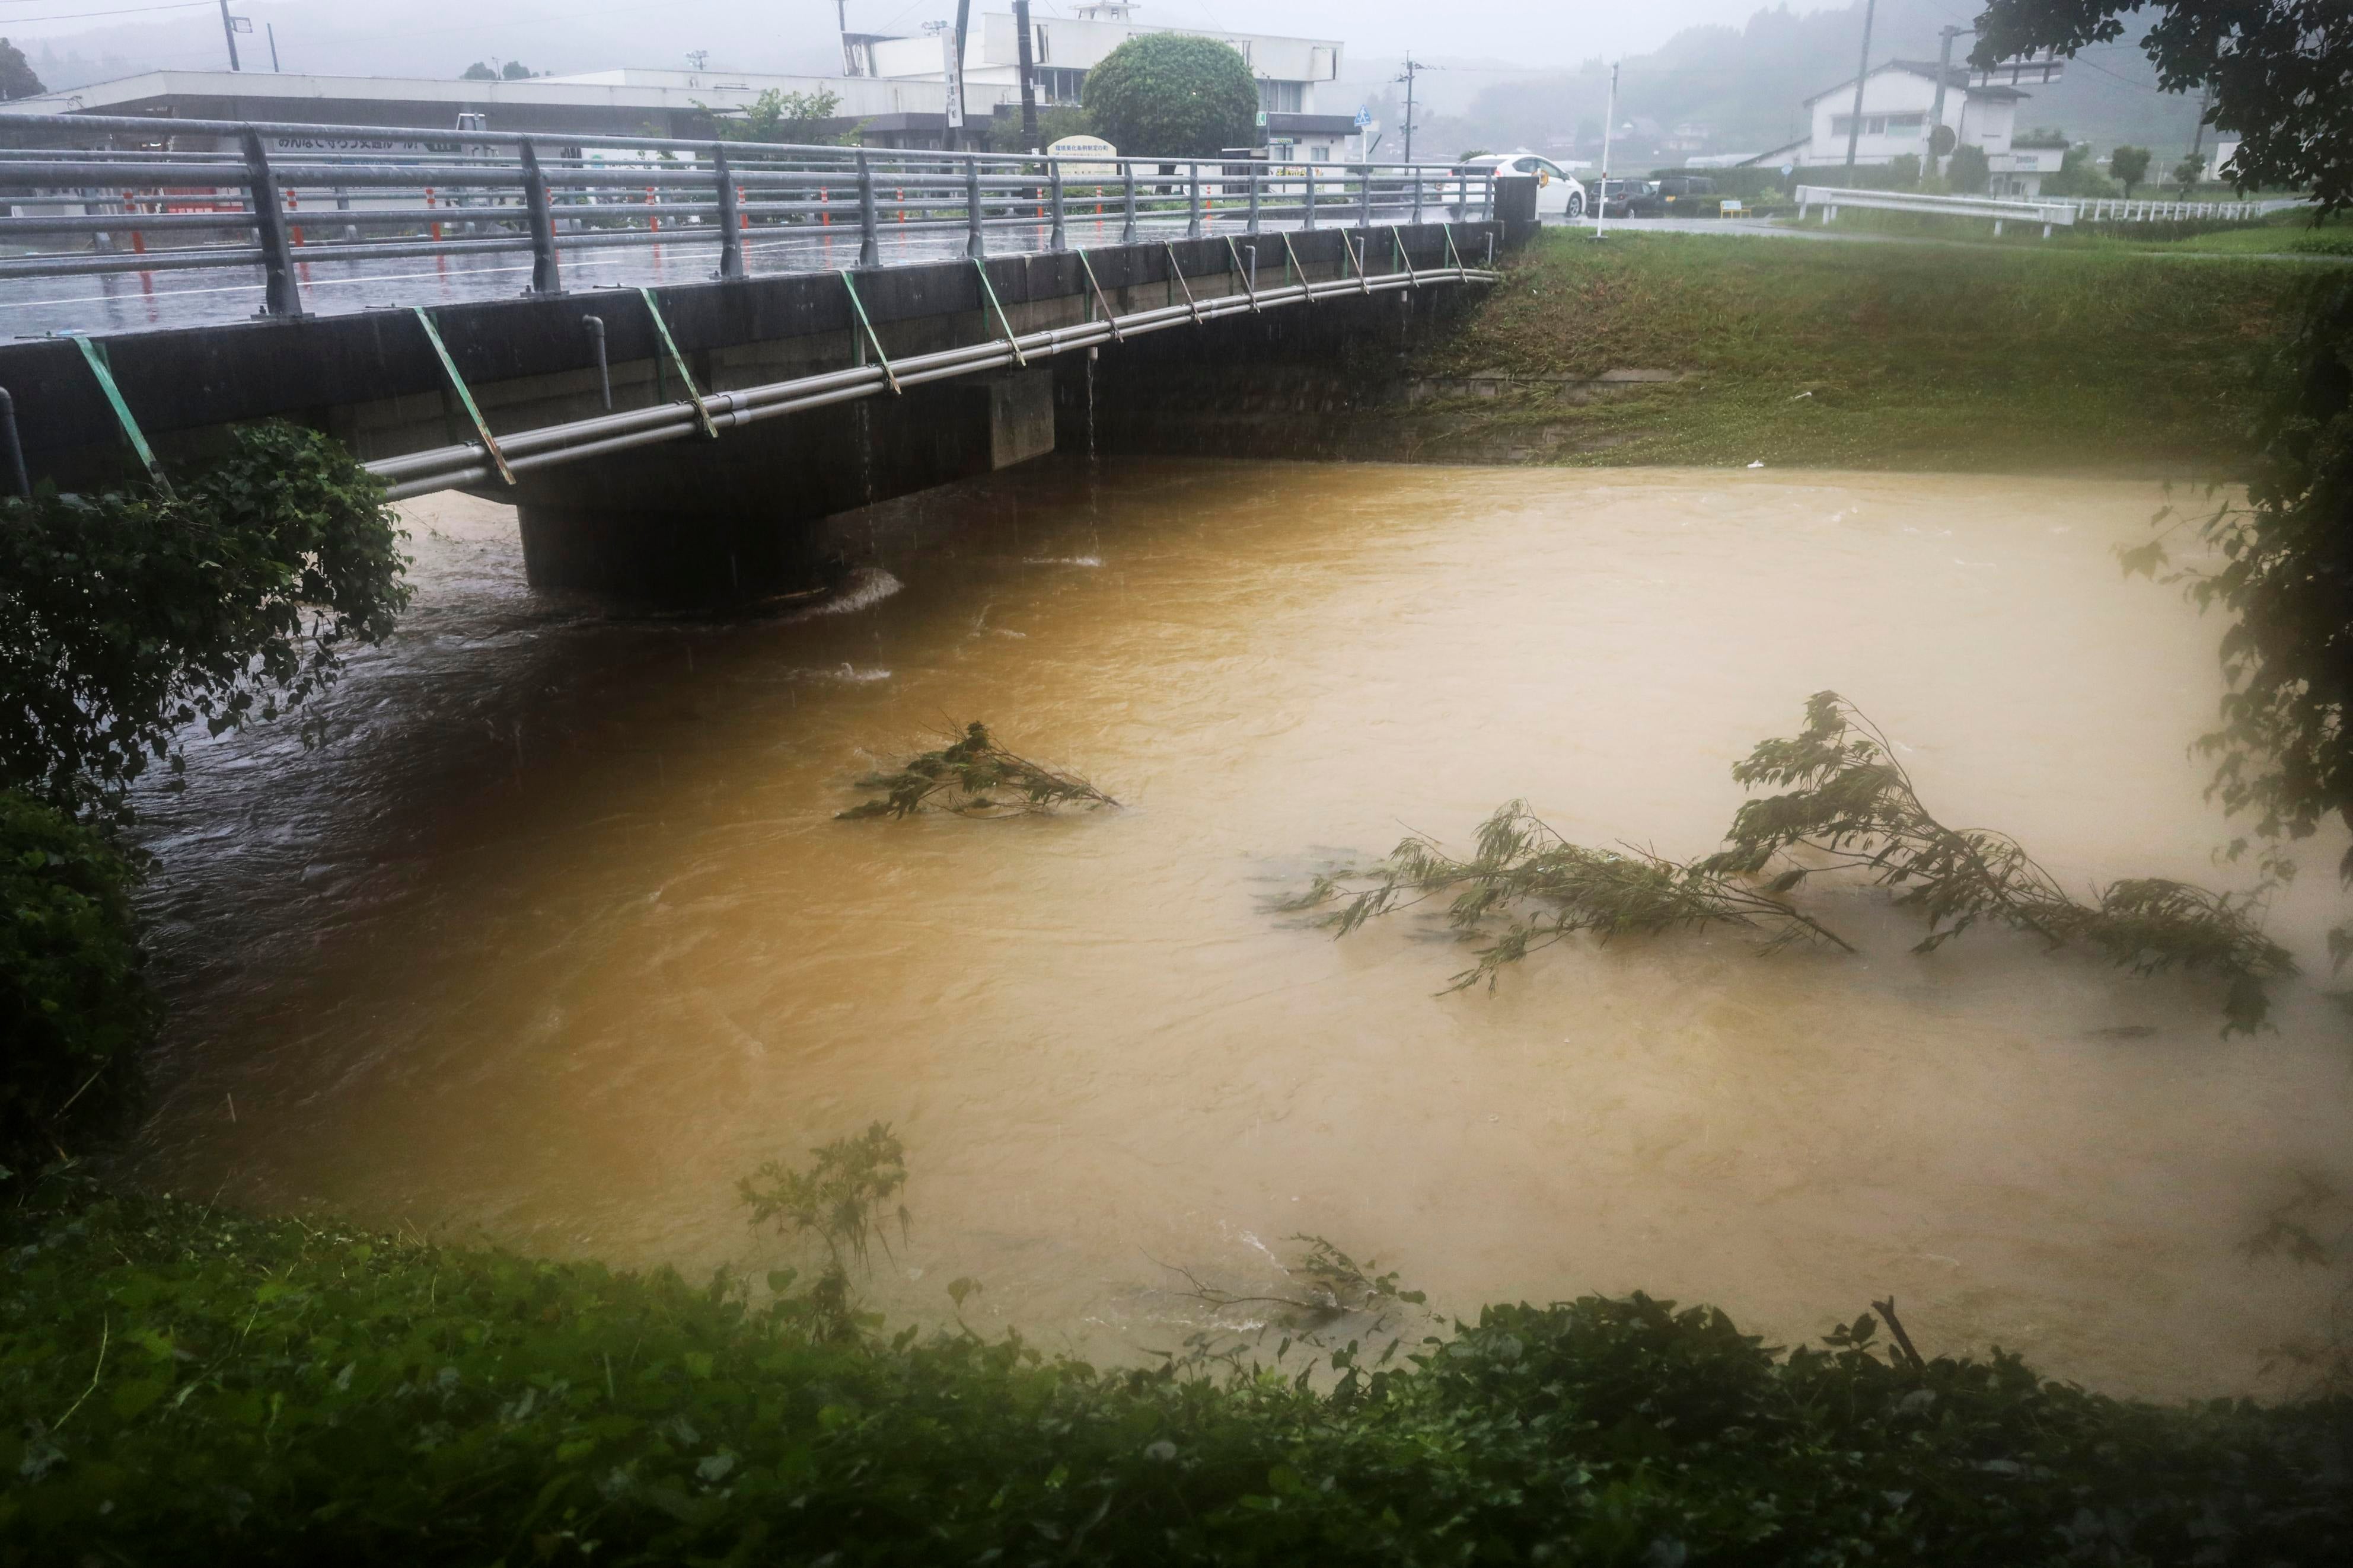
(1127, 230)
(1307, 220)
(1255, 181)
(870, 242)
(731, 239)
(1364, 200)
(279, 296)
(1058, 238)
(1193, 224)
(546, 277)
(1417, 194)
(1487, 199)
(974, 242)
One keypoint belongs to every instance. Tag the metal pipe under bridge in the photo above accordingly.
(605, 394)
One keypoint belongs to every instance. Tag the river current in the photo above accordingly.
(556, 935)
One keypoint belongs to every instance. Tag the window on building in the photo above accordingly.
(1911, 123)
(1041, 55)
(1060, 84)
(1282, 96)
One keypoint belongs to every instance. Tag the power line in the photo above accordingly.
(126, 11)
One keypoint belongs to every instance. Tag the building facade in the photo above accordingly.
(1295, 127)
(1899, 102)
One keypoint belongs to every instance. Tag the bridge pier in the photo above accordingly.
(703, 520)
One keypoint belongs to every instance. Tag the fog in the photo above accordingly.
(439, 38)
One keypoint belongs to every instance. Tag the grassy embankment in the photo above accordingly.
(187, 1386)
(1864, 355)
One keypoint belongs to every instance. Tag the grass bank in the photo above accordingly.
(1860, 355)
(189, 1385)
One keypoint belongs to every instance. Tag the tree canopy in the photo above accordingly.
(778, 116)
(2279, 69)
(2129, 165)
(1173, 95)
(18, 79)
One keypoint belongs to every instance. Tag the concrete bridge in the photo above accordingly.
(684, 438)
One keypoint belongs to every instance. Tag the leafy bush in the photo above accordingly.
(1968, 170)
(127, 615)
(2283, 748)
(1173, 95)
(74, 1009)
(973, 776)
(187, 1385)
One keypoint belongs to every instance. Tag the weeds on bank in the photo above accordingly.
(973, 776)
(1854, 809)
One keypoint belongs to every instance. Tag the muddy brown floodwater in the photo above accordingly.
(558, 937)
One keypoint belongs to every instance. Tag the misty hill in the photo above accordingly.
(1742, 88)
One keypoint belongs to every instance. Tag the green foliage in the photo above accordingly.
(128, 614)
(1855, 810)
(973, 776)
(75, 1009)
(2129, 165)
(185, 1386)
(1519, 862)
(2277, 69)
(2188, 172)
(17, 77)
(1966, 171)
(797, 118)
(1173, 95)
(2078, 177)
(841, 1199)
(2284, 749)
(477, 71)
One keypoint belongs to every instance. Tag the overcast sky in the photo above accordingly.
(753, 34)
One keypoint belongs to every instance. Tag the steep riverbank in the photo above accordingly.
(1649, 349)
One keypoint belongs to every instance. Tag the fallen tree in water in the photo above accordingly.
(1855, 810)
(973, 776)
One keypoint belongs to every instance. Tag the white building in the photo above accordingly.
(1898, 99)
(1294, 126)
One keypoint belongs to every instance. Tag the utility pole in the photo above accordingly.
(1862, 75)
(849, 54)
(1937, 115)
(229, 31)
(957, 116)
(1602, 192)
(271, 28)
(1029, 78)
(1413, 66)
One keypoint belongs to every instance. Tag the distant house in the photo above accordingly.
(1898, 99)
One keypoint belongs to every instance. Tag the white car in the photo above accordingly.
(1558, 194)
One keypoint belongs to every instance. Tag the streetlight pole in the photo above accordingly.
(1601, 194)
(229, 31)
(1862, 75)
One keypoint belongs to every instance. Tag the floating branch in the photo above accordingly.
(973, 777)
(1856, 809)
(1521, 862)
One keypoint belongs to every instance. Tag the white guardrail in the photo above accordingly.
(1830, 199)
(2044, 210)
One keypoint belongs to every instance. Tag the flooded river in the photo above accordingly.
(558, 936)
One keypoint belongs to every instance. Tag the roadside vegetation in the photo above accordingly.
(188, 1384)
(1795, 353)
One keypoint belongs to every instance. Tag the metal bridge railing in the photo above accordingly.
(166, 195)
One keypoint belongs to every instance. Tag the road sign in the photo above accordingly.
(1364, 118)
(1085, 147)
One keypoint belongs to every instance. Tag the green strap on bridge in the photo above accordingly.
(1290, 260)
(1111, 317)
(94, 353)
(888, 375)
(1010, 340)
(1247, 287)
(1177, 268)
(449, 367)
(694, 396)
(1412, 280)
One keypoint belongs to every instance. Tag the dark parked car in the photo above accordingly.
(1624, 200)
(1676, 195)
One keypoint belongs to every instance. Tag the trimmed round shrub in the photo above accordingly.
(75, 1009)
(1170, 95)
